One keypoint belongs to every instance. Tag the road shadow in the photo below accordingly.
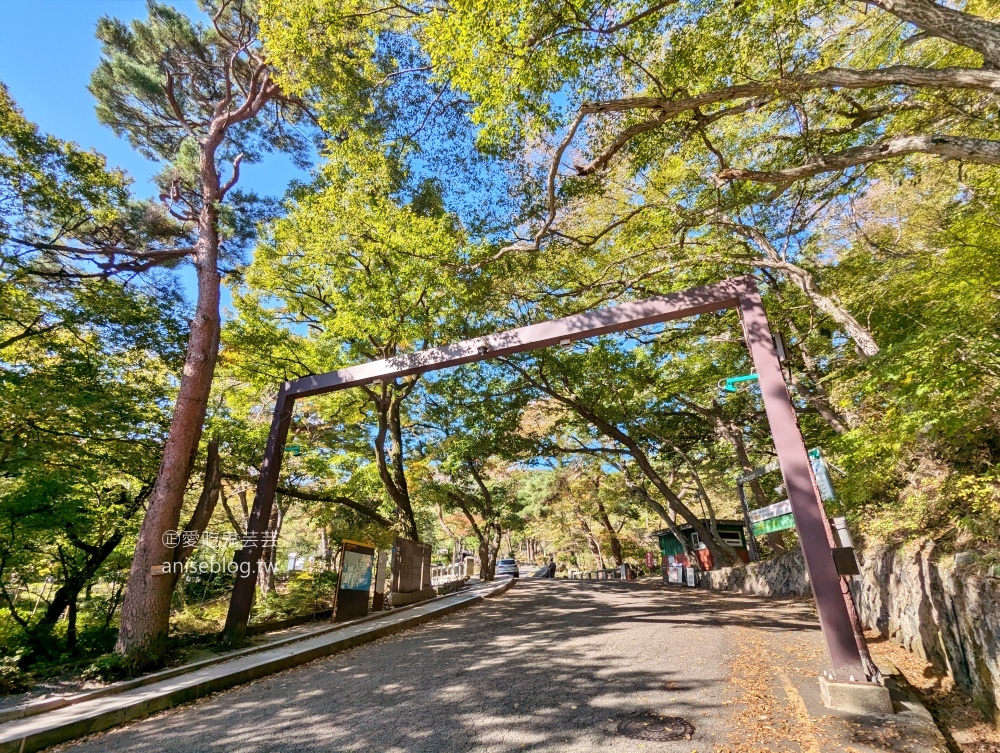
(553, 665)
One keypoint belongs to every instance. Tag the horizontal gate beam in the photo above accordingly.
(664, 308)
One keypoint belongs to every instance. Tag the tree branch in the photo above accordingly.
(958, 27)
(154, 253)
(235, 176)
(828, 78)
(762, 91)
(619, 142)
(655, 8)
(983, 151)
(30, 331)
(337, 499)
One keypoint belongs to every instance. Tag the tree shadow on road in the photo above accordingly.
(551, 665)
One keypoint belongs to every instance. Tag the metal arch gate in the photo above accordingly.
(740, 293)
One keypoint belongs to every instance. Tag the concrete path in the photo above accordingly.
(550, 666)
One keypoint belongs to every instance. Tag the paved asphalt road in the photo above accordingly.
(552, 665)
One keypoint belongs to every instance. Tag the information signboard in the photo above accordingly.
(354, 581)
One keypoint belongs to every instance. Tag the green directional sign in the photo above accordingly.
(776, 517)
(729, 384)
(771, 525)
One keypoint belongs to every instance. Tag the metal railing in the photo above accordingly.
(459, 571)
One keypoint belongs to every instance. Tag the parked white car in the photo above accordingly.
(508, 567)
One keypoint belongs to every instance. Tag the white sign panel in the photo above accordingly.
(771, 511)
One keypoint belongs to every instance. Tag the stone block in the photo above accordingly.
(855, 697)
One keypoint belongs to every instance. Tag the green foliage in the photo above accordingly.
(351, 274)
(906, 247)
(43, 179)
(928, 425)
(13, 679)
(305, 593)
(85, 375)
(110, 667)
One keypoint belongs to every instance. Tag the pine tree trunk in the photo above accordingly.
(145, 614)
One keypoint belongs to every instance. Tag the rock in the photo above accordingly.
(946, 615)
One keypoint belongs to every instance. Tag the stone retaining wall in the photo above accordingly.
(779, 576)
(945, 613)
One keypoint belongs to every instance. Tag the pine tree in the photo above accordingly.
(194, 97)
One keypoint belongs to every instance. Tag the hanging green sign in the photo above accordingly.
(822, 474)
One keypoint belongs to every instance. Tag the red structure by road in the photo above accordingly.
(738, 293)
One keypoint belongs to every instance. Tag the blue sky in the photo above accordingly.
(47, 51)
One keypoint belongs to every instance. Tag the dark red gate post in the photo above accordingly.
(803, 495)
(739, 293)
(248, 557)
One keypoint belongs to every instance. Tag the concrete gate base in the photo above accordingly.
(402, 599)
(855, 697)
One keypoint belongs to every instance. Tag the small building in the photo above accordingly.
(733, 532)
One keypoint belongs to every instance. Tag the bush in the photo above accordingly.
(13, 679)
(304, 593)
(110, 668)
